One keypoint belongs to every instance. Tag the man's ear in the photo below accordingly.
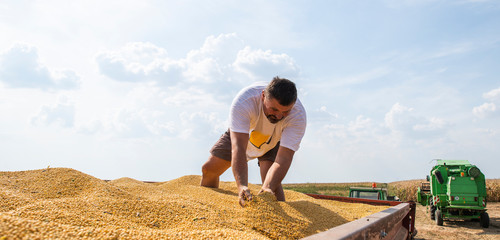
(263, 95)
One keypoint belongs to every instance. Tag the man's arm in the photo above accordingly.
(239, 142)
(277, 173)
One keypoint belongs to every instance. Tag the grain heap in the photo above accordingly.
(65, 203)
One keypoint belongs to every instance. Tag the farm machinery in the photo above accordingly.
(373, 192)
(396, 222)
(455, 189)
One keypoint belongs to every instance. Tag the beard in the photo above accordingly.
(273, 119)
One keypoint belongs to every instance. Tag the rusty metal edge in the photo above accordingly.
(355, 200)
(386, 224)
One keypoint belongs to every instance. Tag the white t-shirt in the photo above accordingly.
(247, 116)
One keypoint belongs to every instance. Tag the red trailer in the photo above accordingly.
(396, 222)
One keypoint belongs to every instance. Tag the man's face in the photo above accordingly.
(274, 111)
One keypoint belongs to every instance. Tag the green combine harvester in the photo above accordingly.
(455, 189)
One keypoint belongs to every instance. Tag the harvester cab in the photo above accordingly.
(455, 189)
(374, 192)
(368, 193)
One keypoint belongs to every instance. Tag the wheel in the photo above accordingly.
(433, 212)
(484, 219)
(439, 218)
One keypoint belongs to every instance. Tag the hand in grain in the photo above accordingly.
(244, 195)
(264, 190)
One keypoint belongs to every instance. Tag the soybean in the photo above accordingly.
(63, 203)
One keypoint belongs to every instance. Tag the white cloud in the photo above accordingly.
(199, 125)
(362, 129)
(150, 111)
(211, 66)
(139, 114)
(399, 117)
(221, 60)
(223, 49)
(139, 61)
(433, 124)
(148, 124)
(62, 114)
(359, 142)
(131, 123)
(206, 71)
(404, 120)
(400, 125)
(485, 110)
(138, 123)
(221, 66)
(192, 97)
(488, 109)
(493, 95)
(392, 142)
(263, 65)
(20, 67)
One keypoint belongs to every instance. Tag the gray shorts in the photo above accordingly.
(222, 149)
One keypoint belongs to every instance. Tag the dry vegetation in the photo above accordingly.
(67, 204)
(493, 190)
(405, 190)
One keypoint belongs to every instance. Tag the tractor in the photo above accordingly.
(371, 193)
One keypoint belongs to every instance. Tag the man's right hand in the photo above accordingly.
(264, 189)
(244, 195)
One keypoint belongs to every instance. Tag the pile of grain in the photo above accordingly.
(65, 203)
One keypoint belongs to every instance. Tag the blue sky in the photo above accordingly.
(142, 89)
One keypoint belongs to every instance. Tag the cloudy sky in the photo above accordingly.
(142, 89)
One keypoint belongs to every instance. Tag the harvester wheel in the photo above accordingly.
(433, 212)
(439, 218)
(484, 220)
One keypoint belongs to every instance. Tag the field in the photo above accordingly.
(459, 229)
(405, 190)
(427, 228)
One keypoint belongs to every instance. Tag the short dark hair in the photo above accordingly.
(282, 90)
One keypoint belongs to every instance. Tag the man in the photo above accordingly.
(267, 122)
